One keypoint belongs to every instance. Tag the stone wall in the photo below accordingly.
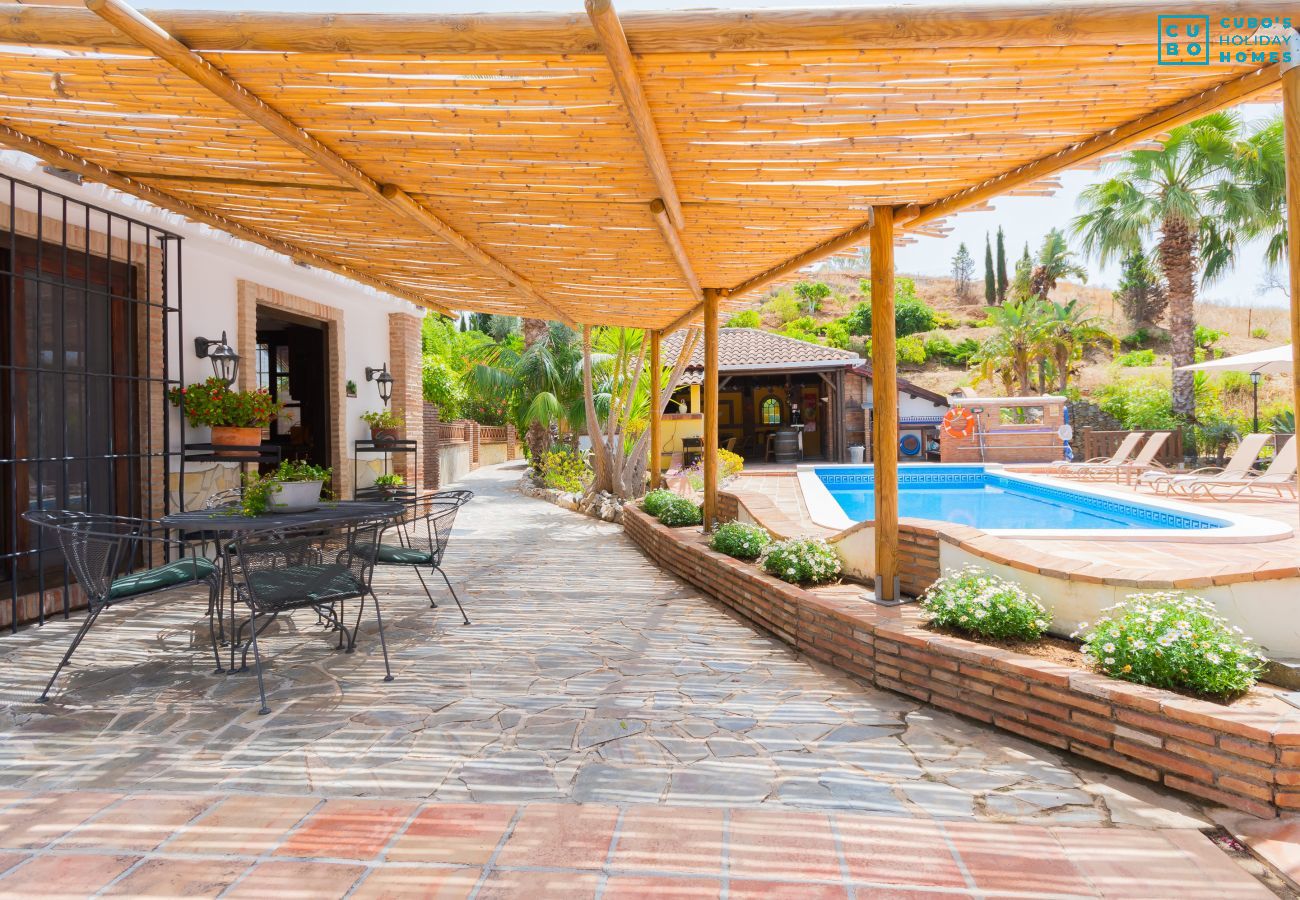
(1246, 756)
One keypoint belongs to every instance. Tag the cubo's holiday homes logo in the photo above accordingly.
(1196, 40)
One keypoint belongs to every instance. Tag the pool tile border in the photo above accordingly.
(1246, 756)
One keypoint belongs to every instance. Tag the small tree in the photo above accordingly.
(811, 294)
(1001, 273)
(963, 268)
(1140, 293)
(990, 280)
(1055, 261)
(1022, 287)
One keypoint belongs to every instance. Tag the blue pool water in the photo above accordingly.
(992, 501)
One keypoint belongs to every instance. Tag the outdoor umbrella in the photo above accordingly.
(1275, 360)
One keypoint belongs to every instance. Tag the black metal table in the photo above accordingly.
(226, 524)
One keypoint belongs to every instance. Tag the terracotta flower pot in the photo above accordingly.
(385, 435)
(231, 436)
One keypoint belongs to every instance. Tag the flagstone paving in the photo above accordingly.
(589, 676)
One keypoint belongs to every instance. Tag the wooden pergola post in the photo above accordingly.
(1291, 120)
(656, 409)
(710, 408)
(884, 396)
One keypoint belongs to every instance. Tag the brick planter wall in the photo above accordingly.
(1246, 756)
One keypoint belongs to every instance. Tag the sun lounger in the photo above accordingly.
(1239, 468)
(1277, 478)
(1145, 461)
(1119, 457)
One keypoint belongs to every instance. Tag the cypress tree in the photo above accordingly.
(1001, 273)
(990, 285)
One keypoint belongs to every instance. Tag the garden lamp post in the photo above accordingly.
(382, 380)
(224, 359)
(1254, 387)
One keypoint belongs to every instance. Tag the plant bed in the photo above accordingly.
(1245, 755)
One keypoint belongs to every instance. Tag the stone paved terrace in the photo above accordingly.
(709, 760)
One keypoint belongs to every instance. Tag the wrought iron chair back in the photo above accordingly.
(424, 532)
(316, 567)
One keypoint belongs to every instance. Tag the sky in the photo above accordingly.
(1023, 219)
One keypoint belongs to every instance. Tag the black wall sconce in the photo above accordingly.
(224, 359)
(382, 380)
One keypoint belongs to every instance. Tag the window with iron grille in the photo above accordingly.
(85, 326)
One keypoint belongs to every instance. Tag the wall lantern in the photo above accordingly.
(383, 380)
(225, 361)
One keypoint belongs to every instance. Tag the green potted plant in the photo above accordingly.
(388, 485)
(297, 485)
(385, 425)
(235, 417)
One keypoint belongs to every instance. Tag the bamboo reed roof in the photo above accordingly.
(779, 131)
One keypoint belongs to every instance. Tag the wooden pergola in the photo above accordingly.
(646, 171)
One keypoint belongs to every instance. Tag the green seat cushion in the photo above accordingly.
(183, 571)
(307, 584)
(395, 555)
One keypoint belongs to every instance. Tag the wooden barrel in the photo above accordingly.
(786, 446)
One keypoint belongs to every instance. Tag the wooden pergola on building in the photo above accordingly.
(645, 171)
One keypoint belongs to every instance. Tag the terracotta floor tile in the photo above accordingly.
(347, 829)
(137, 823)
(1276, 840)
(1023, 858)
(1218, 870)
(897, 851)
(296, 880)
(190, 878)
(639, 887)
(784, 890)
(782, 845)
(539, 886)
(465, 833)
(247, 826)
(560, 835)
(43, 818)
(407, 883)
(56, 876)
(670, 840)
(9, 860)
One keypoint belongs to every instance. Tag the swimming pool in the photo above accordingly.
(1011, 503)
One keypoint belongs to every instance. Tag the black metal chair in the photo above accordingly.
(423, 534)
(317, 567)
(102, 549)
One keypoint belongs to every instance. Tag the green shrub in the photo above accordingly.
(911, 314)
(564, 471)
(784, 305)
(1138, 403)
(801, 561)
(1206, 338)
(739, 540)
(981, 603)
(837, 334)
(1137, 339)
(946, 351)
(679, 512)
(1259, 332)
(746, 318)
(1172, 640)
(655, 501)
(910, 350)
(1137, 358)
(944, 319)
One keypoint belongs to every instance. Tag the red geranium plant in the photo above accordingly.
(213, 403)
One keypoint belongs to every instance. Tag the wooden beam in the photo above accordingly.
(62, 159)
(184, 60)
(1092, 23)
(1291, 124)
(623, 67)
(913, 216)
(884, 397)
(710, 389)
(1235, 91)
(656, 409)
(675, 246)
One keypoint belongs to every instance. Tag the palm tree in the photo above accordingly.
(1055, 261)
(1198, 197)
(542, 383)
(1018, 343)
(1067, 333)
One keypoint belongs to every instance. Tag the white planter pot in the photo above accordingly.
(293, 496)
